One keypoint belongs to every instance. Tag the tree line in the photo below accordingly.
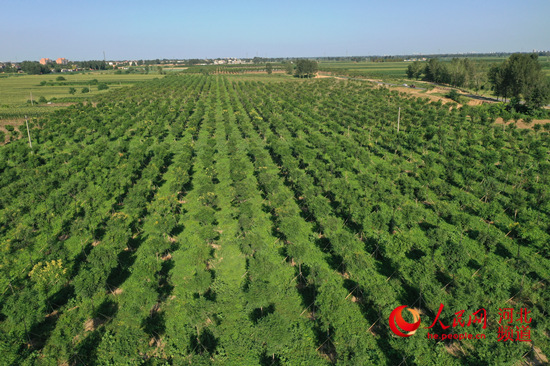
(519, 78)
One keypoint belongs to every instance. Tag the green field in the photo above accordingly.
(397, 70)
(373, 69)
(225, 220)
(15, 90)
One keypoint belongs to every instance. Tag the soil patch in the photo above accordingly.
(91, 324)
(522, 124)
(12, 122)
(16, 123)
(324, 76)
(437, 90)
(475, 102)
(422, 94)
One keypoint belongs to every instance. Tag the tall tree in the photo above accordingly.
(306, 68)
(521, 77)
(437, 71)
(34, 68)
(414, 70)
(289, 68)
(269, 68)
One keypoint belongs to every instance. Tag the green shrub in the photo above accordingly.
(454, 95)
(102, 86)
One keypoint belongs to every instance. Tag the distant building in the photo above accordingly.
(44, 61)
(62, 61)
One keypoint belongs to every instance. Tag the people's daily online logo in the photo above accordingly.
(399, 326)
(514, 325)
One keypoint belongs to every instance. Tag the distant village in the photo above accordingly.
(64, 65)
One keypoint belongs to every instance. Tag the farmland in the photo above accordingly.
(383, 70)
(50, 94)
(225, 220)
(396, 70)
(15, 90)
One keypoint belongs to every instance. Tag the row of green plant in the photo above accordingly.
(198, 219)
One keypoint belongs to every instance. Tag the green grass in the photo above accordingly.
(16, 90)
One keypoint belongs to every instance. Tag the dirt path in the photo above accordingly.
(423, 94)
(325, 76)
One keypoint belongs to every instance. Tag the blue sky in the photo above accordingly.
(77, 30)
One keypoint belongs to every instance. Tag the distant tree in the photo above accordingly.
(195, 61)
(436, 71)
(463, 72)
(6, 68)
(269, 68)
(72, 91)
(289, 68)
(85, 90)
(34, 68)
(457, 72)
(102, 86)
(60, 78)
(42, 99)
(521, 77)
(306, 68)
(92, 65)
(414, 70)
(499, 80)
